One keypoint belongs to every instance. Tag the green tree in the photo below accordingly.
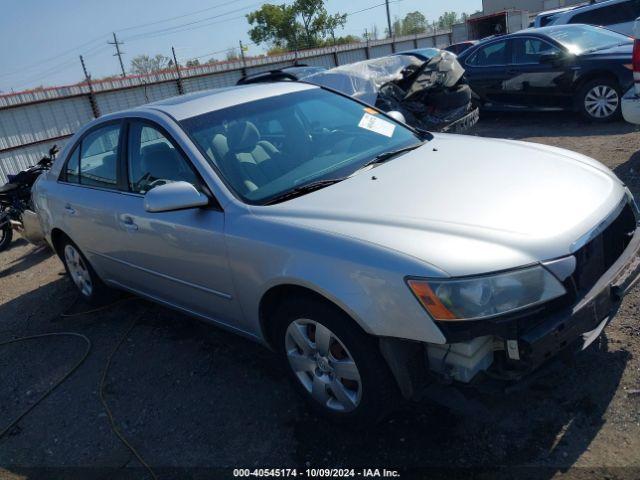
(330, 24)
(194, 62)
(447, 19)
(303, 23)
(144, 64)
(414, 22)
(273, 24)
(411, 24)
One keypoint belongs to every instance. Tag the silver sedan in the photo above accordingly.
(375, 259)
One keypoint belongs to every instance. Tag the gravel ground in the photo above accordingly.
(190, 396)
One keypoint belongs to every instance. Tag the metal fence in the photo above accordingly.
(31, 122)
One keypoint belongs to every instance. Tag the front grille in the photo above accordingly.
(595, 258)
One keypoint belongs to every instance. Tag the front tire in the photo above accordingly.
(599, 100)
(91, 289)
(6, 236)
(334, 365)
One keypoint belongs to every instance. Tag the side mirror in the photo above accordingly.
(554, 57)
(174, 196)
(397, 116)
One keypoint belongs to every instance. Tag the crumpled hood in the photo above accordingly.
(467, 205)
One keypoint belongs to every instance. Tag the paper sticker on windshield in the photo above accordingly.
(377, 125)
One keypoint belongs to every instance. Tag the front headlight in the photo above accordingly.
(486, 296)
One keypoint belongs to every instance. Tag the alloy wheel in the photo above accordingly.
(323, 365)
(601, 101)
(78, 270)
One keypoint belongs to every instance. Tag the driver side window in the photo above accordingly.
(153, 160)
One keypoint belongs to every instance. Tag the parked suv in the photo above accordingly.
(617, 15)
(373, 258)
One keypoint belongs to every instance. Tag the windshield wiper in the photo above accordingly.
(384, 156)
(302, 189)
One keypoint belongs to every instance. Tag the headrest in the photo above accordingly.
(155, 148)
(159, 159)
(242, 137)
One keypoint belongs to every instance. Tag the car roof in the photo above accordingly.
(197, 103)
(536, 31)
(590, 6)
(555, 11)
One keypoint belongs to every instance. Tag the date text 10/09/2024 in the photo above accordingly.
(316, 472)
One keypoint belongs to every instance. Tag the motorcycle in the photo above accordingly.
(16, 210)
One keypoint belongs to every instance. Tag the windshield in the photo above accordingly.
(585, 38)
(268, 147)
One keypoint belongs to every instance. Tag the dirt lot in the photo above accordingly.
(188, 395)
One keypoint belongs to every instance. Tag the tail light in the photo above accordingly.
(636, 56)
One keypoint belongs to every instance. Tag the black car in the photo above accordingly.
(569, 67)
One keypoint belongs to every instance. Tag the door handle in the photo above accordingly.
(127, 222)
(69, 209)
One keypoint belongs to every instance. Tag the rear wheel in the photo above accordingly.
(599, 100)
(90, 287)
(6, 235)
(336, 367)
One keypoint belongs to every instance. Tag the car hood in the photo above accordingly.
(466, 205)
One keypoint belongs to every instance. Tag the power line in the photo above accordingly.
(176, 17)
(187, 29)
(194, 22)
(102, 37)
(47, 60)
(188, 26)
(257, 45)
(59, 67)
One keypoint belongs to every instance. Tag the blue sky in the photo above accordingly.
(43, 38)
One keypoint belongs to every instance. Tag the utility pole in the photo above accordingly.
(367, 51)
(118, 53)
(244, 62)
(175, 64)
(388, 18)
(92, 97)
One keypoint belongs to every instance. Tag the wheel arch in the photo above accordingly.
(277, 294)
(590, 76)
(57, 237)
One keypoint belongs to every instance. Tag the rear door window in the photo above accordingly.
(94, 161)
(494, 54)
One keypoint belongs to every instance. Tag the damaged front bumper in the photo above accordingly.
(517, 346)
